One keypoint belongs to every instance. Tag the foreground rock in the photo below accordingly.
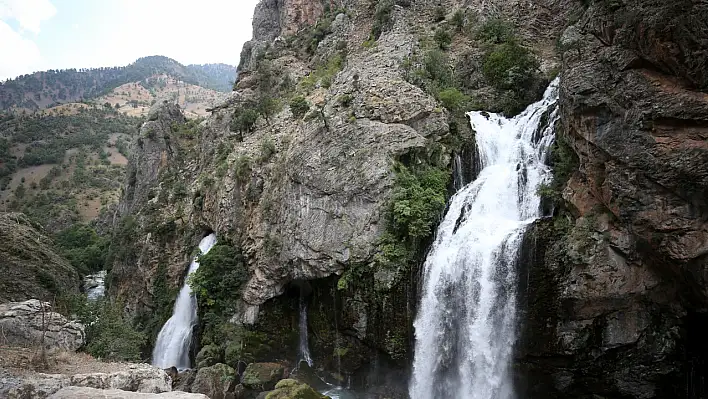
(216, 381)
(29, 266)
(262, 376)
(28, 323)
(136, 378)
(93, 393)
(291, 389)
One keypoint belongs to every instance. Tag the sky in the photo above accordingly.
(37, 35)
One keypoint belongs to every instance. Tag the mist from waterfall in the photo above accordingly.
(466, 326)
(175, 338)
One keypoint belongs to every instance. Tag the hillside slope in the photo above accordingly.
(45, 89)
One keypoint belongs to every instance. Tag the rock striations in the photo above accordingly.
(297, 169)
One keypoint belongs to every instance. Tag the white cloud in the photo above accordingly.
(29, 14)
(20, 55)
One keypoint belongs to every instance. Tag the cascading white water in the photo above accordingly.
(172, 346)
(95, 286)
(304, 343)
(466, 326)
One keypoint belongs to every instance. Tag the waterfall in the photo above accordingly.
(304, 345)
(466, 326)
(95, 286)
(175, 338)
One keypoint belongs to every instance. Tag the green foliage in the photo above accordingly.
(242, 167)
(437, 69)
(299, 107)
(496, 31)
(268, 106)
(453, 99)
(243, 120)
(439, 14)
(383, 18)
(108, 335)
(324, 72)
(458, 20)
(417, 201)
(509, 66)
(443, 38)
(83, 247)
(216, 284)
(267, 149)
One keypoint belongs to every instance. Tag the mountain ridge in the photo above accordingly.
(45, 89)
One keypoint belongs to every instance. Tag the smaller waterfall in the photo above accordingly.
(304, 344)
(175, 338)
(95, 286)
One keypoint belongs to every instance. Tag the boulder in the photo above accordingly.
(24, 324)
(292, 389)
(262, 376)
(183, 381)
(135, 378)
(216, 381)
(91, 393)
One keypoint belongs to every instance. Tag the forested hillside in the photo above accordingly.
(48, 88)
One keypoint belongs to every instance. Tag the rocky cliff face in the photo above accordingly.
(29, 265)
(618, 296)
(297, 170)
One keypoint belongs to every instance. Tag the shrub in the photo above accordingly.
(299, 107)
(509, 66)
(439, 14)
(443, 38)
(243, 120)
(218, 281)
(437, 68)
(109, 336)
(453, 99)
(458, 20)
(267, 148)
(382, 18)
(83, 247)
(418, 200)
(242, 167)
(496, 31)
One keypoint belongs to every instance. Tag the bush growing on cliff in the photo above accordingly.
(496, 31)
(443, 38)
(383, 18)
(299, 107)
(218, 281)
(418, 200)
(243, 120)
(510, 66)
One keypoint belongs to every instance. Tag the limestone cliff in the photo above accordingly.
(617, 299)
(298, 168)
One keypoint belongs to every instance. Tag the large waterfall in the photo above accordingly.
(466, 326)
(174, 340)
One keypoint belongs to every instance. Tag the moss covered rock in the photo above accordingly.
(262, 376)
(291, 389)
(209, 355)
(215, 381)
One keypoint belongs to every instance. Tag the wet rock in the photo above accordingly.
(292, 389)
(262, 376)
(217, 381)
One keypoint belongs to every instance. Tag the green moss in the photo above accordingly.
(292, 389)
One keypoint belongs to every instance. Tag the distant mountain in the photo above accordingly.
(44, 89)
(220, 77)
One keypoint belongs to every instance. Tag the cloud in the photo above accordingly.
(20, 55)
(29, 14)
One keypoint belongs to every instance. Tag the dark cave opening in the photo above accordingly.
(696, 355)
